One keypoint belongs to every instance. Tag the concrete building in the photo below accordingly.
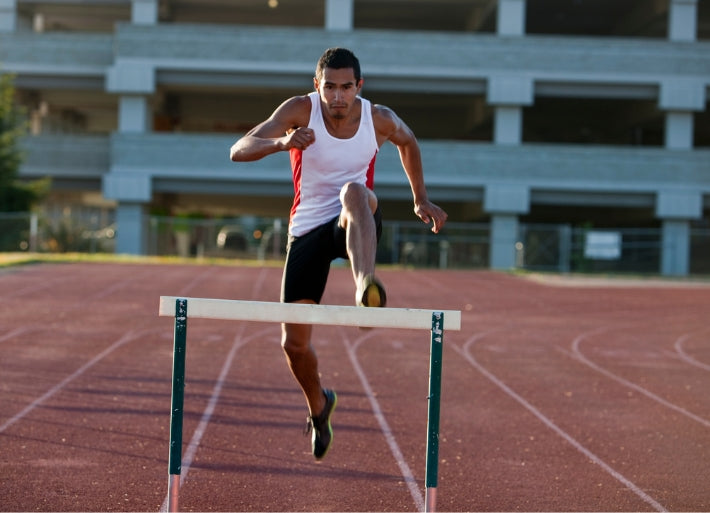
(569, 112)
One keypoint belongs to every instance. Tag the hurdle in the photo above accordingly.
(236, 310)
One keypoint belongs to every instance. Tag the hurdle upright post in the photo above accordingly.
(432, 447)
(177, 401)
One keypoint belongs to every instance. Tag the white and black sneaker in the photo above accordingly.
(319, 426)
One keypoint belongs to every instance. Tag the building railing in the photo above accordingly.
(440, 60)
(547, 248)
(62, 53)
(454, 169)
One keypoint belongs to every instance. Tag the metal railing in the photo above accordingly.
(553, 248)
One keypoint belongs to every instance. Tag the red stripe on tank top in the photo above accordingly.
(370, 180)
(296, 157)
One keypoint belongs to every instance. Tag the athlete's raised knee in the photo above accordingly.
(354, 195)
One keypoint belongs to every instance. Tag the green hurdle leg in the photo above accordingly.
(432, 449)
(176, 411)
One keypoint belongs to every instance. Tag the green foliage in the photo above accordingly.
(15, 196)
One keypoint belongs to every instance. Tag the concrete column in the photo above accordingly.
(675, 256)
(679, 130)
(8, 15)
(508, 125)
(133, 191)
(339, 14)
(511, 18)
(676, 208)
(683, 20)
(504, 235)
(134, 80)
(504, 201)
(508, 94)
(133, 114)
(131, 235)
(679, 98)
(144, 12)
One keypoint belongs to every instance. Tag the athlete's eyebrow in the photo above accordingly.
(349, 82)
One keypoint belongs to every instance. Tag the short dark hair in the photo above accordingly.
(338, 58)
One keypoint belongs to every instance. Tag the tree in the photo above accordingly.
(15, 196)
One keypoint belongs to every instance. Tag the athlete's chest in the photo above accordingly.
(342, 130)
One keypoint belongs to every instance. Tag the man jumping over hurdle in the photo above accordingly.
(333, 136)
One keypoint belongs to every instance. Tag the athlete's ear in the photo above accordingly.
(359, 84)
(315, 83)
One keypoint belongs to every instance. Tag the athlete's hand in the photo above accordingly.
(431, 213)
(299, 138)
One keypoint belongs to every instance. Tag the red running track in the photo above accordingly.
(563, 396)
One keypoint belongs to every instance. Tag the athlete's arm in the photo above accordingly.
(286, 128)
(388, 126)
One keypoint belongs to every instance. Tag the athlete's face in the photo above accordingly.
(338, 89)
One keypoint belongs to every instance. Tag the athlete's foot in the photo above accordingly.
(320, 427)
(372, 293)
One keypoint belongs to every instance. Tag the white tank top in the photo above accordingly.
(321, 170)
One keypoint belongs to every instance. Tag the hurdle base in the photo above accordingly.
(430, 501)
(173, 492)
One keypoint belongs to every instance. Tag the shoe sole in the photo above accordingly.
(374, 293)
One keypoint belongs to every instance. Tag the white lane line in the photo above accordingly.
(239, 342)
(407, 474)
(465, 352)
(15, 333)
(50, 283)
(578, 354)
(131, 335)
(685, 356)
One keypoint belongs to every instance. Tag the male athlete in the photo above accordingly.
(333, 136)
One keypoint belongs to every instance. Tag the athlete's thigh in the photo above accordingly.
(307, 266)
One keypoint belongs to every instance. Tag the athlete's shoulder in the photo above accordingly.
(297, 110)
(384, 119)
(295, 103)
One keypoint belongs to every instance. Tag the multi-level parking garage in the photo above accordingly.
(555, 113)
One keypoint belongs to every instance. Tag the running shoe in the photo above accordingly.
(319, 426)
(373, 293)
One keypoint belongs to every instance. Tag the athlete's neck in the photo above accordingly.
(346, 126)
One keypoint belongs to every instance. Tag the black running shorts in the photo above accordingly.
(308, 259)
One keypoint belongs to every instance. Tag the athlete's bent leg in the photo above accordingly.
(359, 204)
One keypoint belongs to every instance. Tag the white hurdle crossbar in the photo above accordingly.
(296, 313)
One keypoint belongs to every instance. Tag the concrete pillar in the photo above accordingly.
(676, 208)
(133, 191)
(131, 236)
(339, 14)
(511, 18)
(675, 257)
(133, 114)
(507, 125)
(679, 98)
(504, 235)
(508, 94)
(134, 81)
(144, 12)
(683, 20)
(8, 15)
(504, 201)
(679, 130)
